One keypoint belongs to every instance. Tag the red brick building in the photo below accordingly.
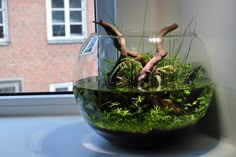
(40, 39)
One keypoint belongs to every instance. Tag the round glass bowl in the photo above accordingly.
(128, 109)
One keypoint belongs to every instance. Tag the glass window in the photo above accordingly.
(57, 3)
(75, 16)
(39, 62)
(76, 29)
(61, 87)
(66, 20)
(30, 56)
(1, 32)
(11, 86)
(58, 16)
(59, 30)
(0, 17)
(75, 3)
(3, 23)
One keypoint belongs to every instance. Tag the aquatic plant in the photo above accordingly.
(145, 91)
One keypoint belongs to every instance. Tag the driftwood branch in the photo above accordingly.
(161, 53)
(120, 43)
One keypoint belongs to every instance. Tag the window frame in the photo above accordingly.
(38, 104)
(54, 86)
(4, 10)
(68, 38)
(17, 84)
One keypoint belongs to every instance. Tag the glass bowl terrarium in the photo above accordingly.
(140, 90)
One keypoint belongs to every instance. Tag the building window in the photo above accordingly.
(66, 21)
(61, 87)
(4, 37)
(11, 86)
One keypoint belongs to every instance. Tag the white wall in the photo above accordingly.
(131, 14)
(216, 23)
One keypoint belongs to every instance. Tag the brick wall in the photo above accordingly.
(29, 56)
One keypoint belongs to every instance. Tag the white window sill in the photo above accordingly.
(70, 136)
(4, 43)
(54, 104)
(66, 41)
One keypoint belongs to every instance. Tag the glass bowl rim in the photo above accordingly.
(133, 35)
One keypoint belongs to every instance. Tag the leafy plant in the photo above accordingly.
(143, 112)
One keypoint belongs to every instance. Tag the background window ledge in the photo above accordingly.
(4, 43)
(72, 41)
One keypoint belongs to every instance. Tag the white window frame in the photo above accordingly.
(53, 87)
(4, 10)
(30, 104)
(67, 38)
(16, 83)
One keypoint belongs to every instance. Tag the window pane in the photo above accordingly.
(58, 30)
(75, 16)
(76, 29)
(1, 32)
(46, 60)
(75, 3)
(61, 89)
(0, 17)
(7, 90)
(58, 16)
(57, 3)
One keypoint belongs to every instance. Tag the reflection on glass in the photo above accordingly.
(1, 32)
(0, 4)
(89, 46)
(75, 3)
(57, 3)
(58, 30)
(58, 16)
(76, 29)
(75, 16)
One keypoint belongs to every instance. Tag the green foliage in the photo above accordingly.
(140, 112)
(127, 72)
(168, 73)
